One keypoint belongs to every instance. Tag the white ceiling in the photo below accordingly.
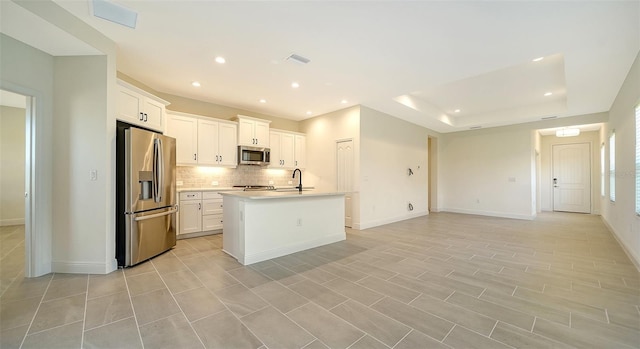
(416, 60)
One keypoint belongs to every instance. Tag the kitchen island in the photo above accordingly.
(261, 225)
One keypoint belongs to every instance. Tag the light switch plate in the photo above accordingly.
(93, 175)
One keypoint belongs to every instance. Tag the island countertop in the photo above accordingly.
(269, 194)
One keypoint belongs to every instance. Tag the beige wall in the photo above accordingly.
(71, 93)
(28, 71)
(322, 134)
(12, 156)
(80, 204)
(388, 148)
(620, 215)
(487, 172)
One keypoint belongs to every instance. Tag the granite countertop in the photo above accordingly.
(260, 195)
(180, 189)
(280, 189)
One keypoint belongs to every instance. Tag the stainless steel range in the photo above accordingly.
(255, 187)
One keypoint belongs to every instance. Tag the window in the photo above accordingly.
(612, 167)
(638, 160)
(602, 169)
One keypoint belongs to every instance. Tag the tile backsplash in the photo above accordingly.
(202, 177)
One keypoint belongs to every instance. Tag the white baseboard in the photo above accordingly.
(379, 222)
(635, 259)
(490, 213)
(83, 267)
(12, 221)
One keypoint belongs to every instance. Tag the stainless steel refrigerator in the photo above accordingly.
(146, 194)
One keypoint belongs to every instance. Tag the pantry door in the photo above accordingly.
(572, 177)
(344, 159)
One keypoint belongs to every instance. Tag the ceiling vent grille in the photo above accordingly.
(548, 117)
(115, 13)
(298, 59)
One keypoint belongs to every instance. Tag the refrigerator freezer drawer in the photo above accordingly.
(149, 235)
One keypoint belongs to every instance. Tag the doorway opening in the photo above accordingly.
(15, 174)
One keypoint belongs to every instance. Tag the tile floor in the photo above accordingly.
(442, 281)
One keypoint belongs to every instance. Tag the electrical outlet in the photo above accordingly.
(270, 182)
(214, 183)
(290, 182)
(179, 183)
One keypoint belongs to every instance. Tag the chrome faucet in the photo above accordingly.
(300, 177)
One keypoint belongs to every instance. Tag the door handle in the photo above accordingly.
(173, 210)
(555, 182)
(141, 116)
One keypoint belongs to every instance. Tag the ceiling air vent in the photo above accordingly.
(115, 13)
(548, 117)
(475, 127)
(298, 59)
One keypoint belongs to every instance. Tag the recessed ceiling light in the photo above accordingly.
(548, 94)
(309, 112)
(263, 101)
(344, 101)
(195, 84)
(220, 60)
(295, 85)
(456, 111)
(538, 59)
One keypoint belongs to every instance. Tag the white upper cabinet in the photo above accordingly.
(138, 107)
(203, 140)
(300, 151)
(185, 130)
(281, 150)
(253, 132)
(228, 144)
(288, 150)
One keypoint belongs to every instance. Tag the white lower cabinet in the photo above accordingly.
(200, 213)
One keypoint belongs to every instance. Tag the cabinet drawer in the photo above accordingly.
(211, 206)
(211, 195)
(191, 195)
(212, 222)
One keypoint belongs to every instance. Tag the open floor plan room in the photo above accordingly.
(439, 281)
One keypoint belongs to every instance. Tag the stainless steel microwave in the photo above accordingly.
(253, 155)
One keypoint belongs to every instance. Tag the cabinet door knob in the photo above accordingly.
(194, 157)
(199, 206)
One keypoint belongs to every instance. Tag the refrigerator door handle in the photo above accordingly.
(158, 170)
(172, 211)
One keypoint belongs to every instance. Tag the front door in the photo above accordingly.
(572, 177)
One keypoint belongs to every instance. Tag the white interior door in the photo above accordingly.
(344, 159)
(571, 177)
